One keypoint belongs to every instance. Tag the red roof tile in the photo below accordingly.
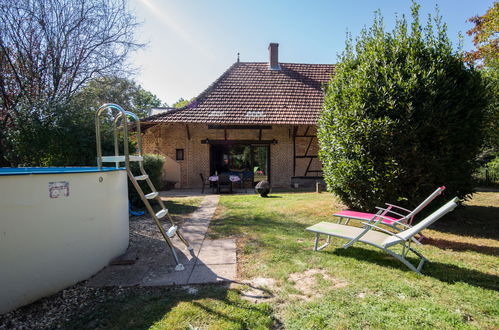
(251, 93)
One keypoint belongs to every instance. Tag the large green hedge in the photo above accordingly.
(402, 116)
(153, 165)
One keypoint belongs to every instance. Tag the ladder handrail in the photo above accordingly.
(137, 124)
(123, 115)
(139, 147)
(102, 108)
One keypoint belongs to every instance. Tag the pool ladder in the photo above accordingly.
(119, 114)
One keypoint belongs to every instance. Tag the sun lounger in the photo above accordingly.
(381, 238)
(391, 215)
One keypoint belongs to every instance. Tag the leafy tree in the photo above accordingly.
(125, 92)
(485, 38)
(48, 50)
(486, 56)
(181, 103)
(402, 115)
(69, 138)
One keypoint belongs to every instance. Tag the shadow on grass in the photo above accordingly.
(237, 225)
(142, 308)
(471, 220)
(461, 246)
(441, 271)
(174, 207)
(179, 208)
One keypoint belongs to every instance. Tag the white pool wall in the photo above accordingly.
(48, 243)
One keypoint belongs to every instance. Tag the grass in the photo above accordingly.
(213, 307)
(177, 206)
(458, 290)
(182, 205)
(359, 287)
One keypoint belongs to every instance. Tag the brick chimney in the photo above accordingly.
(274, 56)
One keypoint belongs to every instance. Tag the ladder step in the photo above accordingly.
(141, 177)
(152, 195)
(114, 159)
(161, 213)
(171, 232)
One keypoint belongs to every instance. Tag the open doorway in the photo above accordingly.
(250, 161)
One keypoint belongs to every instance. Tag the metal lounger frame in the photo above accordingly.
(404, 238)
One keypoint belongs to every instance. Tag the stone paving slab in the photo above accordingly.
(210, 261)
(213, 273)
(166, 275)
(216, 252)
(194, 234)
(165, 257)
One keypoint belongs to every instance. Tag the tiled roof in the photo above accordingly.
(251, 93)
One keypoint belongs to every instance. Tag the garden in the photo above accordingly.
(283, 283)
(406, 112)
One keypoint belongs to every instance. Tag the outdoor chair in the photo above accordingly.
(247, 180)
(204, 182)
(381, 238)
(391, 215)
(224, 182)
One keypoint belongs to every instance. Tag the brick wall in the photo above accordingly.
(164, 139)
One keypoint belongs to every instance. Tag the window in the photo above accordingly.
(180, 154)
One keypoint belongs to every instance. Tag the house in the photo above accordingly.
(258, 120)
(158, 110)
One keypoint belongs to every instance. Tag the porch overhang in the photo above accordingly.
(229, 142)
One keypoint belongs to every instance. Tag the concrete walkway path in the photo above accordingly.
(148, 262)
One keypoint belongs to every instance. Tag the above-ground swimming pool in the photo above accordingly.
(58, 226)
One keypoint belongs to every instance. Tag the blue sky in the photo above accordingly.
(191, 43)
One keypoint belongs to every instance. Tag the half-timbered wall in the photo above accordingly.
(166, 138)
(306, 163)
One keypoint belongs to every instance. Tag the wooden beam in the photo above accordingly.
(260, 134)
(225, 134)
(239, 127)
(307, 177)
(188, 132)
(295, 128)
(308, 147)
(306, 131)
(208, 141)
(308, 167)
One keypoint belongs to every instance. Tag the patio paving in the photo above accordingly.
(148, 262)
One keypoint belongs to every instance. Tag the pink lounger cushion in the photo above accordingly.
(363, 216)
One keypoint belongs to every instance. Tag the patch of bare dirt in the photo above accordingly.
(259, 289)
(307, 283)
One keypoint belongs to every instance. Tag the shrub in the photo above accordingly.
(153, 165)
(402, 116)
(488, 175)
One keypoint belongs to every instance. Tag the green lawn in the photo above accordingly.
(359, 287)
(365, 287)
(213, 307)
(182, 205)
(177, 206)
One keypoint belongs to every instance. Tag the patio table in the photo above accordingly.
(232, 179)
